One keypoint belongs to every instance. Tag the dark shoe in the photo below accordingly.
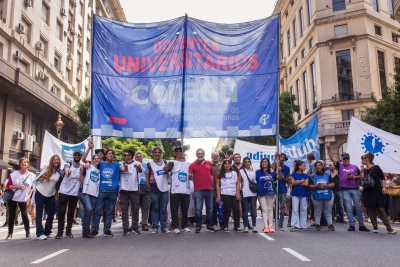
(331, 228)
(59, 236)
(9, 237)
(108, 233)
(280, 227)
(391, 231)
(86, 234)
(351, 228)
(226, 230)
(69, 235)
(211, 229)
(94, 233)
(289, 225)
(5, 224)
(16, 223)
(363, 229)
(197, 231)
(136, 231)
(294, 229)
(75, 222)
(239, 230)
(317, 227)
(27, 236)
(145, 228)
(114, 220)
(126, 232)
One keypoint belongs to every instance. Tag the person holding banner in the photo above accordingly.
(373, 194)
(321, 184)
(90, 179)
(228, 185)
(266, 193)
(249, 201)
(299, 197)
(144, 198)
(283, 172)
(348, 176)
(21, 182)
(45, 197)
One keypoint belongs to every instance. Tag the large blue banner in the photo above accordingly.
(304, 141)
(184, 78)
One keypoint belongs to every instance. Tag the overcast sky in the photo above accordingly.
(222, 11)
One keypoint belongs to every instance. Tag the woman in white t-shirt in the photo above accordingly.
(90, 177)
(21, 182)
(249, 200)
(228, 191)
(45, 197)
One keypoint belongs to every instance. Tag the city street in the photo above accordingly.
(305, 248)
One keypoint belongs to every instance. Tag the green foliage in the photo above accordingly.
(225, 149)
(287, 127)
(83, 113)
(386, 113)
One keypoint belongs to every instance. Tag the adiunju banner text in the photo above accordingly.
(363, 138)
(184, 77)
(255, 152)
(53, 146)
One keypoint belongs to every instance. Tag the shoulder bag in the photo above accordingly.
(252, 184)
(9, 194)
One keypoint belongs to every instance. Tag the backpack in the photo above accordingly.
(368, 181)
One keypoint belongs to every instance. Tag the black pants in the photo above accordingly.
(179, 201)
(231, 203)
(132, 198)
(12, 206)
(63, 202)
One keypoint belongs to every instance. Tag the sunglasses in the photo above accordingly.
(346, 158)
(125, 155)
(76, 154)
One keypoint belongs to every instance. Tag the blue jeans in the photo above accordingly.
(282, 208)
(338, 202)
(109, 198)
(325, 206)
(349, 196)
(48, 204)
(159, 203)
(249, 203)
(201, 196)
(89, 204)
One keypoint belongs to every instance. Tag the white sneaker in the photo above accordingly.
(186, 230)
(246, 230)
(51, 235)
(42, 237)
(379, 220)
(177, 231)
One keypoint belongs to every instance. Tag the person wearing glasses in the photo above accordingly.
(68, 194)
(348, 176)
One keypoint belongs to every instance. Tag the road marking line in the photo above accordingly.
(296, 254)
(49, 256)
(266, 236)
(20, 232)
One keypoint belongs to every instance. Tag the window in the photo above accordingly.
(288, 41)
(59, 30)
(305, 87)
(314, 84)
(45, 46)
(378, 30)
(309, 12)
(395, 38)
(290, 70)
(382, 72)
(45, 13)
(347, 114)
(68, 74)
(344, 75)
(294, 32)
(340, 29)
(338, 5)
(311, 43)
(391, 12)
(298, 95)
(301, 22)
(397, 62)
(375, 5)
(57, 62)
(67, 101)
(291, 90)
(35, 129)
(18, 121)
(296, 62)
(303, 53)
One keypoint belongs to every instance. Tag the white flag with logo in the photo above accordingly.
(363, 138)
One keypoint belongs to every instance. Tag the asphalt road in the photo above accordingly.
(283, 248)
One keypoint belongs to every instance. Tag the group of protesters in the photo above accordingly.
(229, 190)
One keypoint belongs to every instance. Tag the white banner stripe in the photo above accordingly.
(296, 254)
(49, 256)
(266, 236)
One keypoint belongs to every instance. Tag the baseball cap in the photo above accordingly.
(178, 148)
(99, 151)
(77, 151)
(345, 155)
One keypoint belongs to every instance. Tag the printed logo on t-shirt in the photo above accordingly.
(107, 173)
(160, 172)
(228, 176)
(94, 176)
(182, 176)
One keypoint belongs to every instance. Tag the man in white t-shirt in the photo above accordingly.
(68, 194)
(129, 192)
(144, 192)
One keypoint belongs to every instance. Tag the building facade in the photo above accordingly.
(335, 57)
(44, 70)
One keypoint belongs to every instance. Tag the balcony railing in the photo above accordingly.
(342, 97)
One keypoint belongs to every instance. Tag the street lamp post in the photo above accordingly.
(59, 125)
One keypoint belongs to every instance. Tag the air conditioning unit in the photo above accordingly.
(18, 55)
(18, 135)
(63, 12)
(40, 75)
(28, 143)
(20, 28)
(28, 2)
(54, 90)
(39, 46)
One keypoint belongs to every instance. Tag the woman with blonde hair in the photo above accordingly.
(21, 182)
(45, 197)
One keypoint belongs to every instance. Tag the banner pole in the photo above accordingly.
(183, 76)
(277, 126)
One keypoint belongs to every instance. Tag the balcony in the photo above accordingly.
(335, 128)
(347, 98)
